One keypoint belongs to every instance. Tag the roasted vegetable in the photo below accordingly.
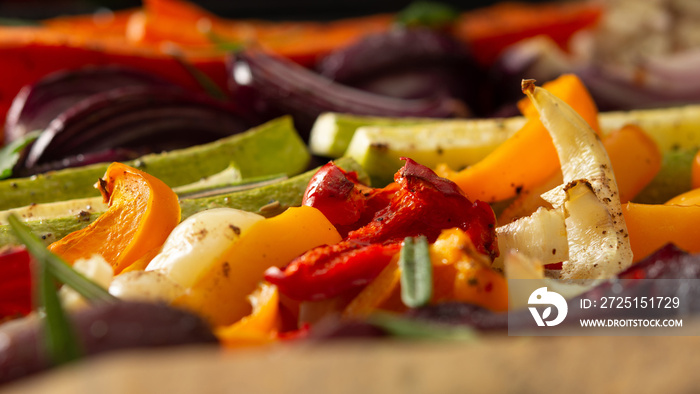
(142, 119)
(100, 329)
(15, 282)
(412, 63)
(36, 105)
(587, 203)
(268, 85)
(142, 212)
(247, 151)
(528, 158)
(424, 204)
(269, 200)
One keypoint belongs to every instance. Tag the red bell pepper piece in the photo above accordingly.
(15, 283)
(346, 202)
(329, 270)
(418, 203)
(425, 205)
(336, 193)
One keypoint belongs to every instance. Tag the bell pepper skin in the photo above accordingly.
(330, 270)
(337, 193)
(346, 202)
(426, 204)
(423, 204)
(15, 283)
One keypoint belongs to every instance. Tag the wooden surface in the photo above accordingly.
(504, 365)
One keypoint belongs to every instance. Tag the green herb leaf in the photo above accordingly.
(61, 340)
(429, 14)
(416, 329)
(10, 154)
(416, 272)
(56, 266)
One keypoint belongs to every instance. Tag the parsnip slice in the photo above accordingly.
(542, 234)
(596, 234)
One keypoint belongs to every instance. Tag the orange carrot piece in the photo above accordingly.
(652, 226)
(142, 212)
(635, 159)
(528, 158)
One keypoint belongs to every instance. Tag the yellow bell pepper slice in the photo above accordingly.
(219, 295)
(258, 328)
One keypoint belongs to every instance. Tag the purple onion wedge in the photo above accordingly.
(35, 106)
(104, 328)
(273, 86)
(411, 63)
(141, 118)
(381, 52)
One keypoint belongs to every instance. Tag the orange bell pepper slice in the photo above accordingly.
(190, 26)
(258, 328)
(109, 24)
(635, 158)
(688, 198)
(462, 274)
(528, 158)
(141, 214)
(652, 226)
(219, 295)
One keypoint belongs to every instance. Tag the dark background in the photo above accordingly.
(266, 9)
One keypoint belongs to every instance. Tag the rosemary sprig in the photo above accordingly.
(61, 341)
(416, 272)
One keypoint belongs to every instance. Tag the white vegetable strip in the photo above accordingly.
(542, 234)
(196, 243)
(596, 231)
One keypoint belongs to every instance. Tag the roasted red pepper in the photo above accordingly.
(425, 205)
(15, 283)
(329, 270)
(346, 202)
(418, 203)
